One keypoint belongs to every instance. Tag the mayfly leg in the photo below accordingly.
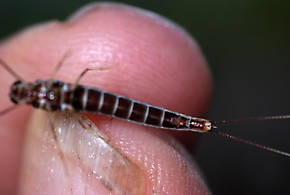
(91, 69)
(10, 70)
(6, 110)
(103, 137)
(58, 66)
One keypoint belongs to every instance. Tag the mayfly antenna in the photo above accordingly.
(9, 69)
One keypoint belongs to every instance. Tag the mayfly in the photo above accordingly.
(54, 95)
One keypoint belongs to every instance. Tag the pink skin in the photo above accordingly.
(160, 65)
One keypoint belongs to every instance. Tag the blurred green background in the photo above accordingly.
(247, 44)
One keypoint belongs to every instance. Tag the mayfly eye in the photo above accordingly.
(14, 100)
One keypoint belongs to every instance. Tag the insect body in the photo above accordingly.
(53, 95)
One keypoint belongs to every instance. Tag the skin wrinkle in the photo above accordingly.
(147, 147)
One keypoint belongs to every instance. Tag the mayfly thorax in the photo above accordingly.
(54, 95)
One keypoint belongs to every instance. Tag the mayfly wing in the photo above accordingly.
(100, 161)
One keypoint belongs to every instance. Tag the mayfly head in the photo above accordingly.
(14, 91)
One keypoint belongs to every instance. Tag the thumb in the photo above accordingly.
(161, 65)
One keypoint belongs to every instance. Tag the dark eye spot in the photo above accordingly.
(17, 82)
(13, 100)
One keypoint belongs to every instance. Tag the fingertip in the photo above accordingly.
(161, 65)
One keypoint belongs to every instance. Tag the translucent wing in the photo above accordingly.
(84, 147)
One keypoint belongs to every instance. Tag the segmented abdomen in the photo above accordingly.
(92, 100)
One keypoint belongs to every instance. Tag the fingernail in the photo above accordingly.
(68, 154)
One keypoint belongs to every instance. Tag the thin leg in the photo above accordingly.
(89, 129)
(5, 111)
(58, 66)
(92, 69)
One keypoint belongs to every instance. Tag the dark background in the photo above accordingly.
(247, 44)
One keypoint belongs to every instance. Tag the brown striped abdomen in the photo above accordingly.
(92, 100)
